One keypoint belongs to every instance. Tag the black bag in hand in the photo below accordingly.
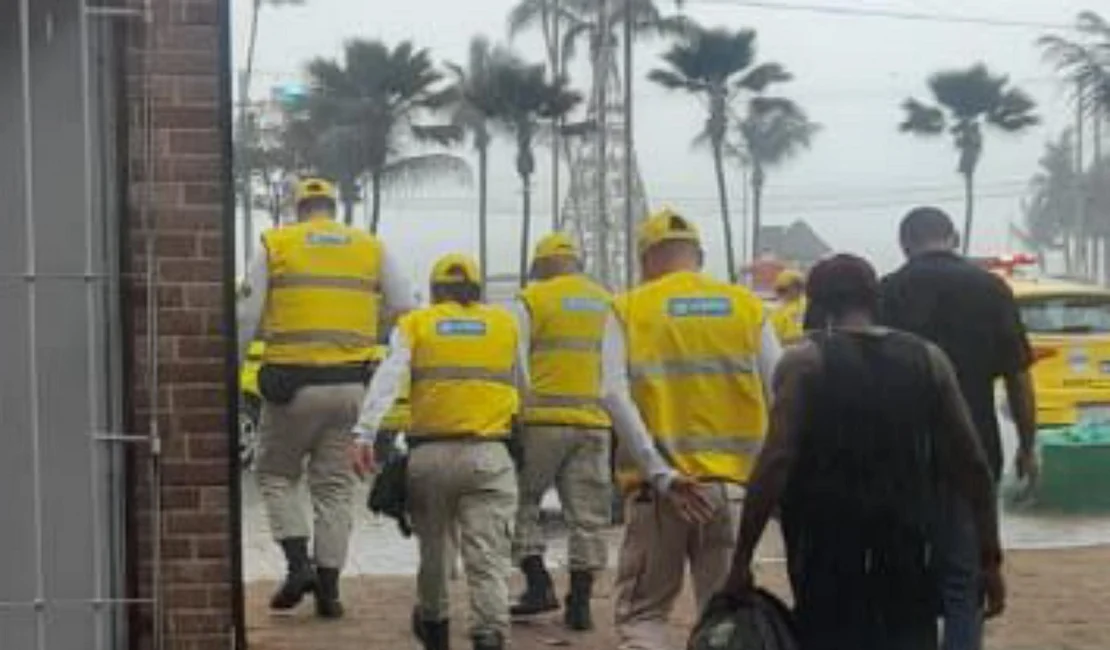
(389, 496)
(758, 622)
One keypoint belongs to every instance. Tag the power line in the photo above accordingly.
(887, 13)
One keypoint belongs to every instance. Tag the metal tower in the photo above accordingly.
(594, 209)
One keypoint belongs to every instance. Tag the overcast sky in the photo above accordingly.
(851, 74)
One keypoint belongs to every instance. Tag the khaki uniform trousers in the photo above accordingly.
(576, 461)
(465, 490)
(658, 543)
(315, 426)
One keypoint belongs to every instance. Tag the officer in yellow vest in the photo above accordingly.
(565, 442)
(463, 358)
(789, 316)
(687, 366)
(313, 297)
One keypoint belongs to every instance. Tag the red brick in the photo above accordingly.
(195, 472)
(188, 37)
(196, 372)
(220, 596)
(196, 572)
(188, 623)
(203, 193)
(208, 296)
(190, 271)
(181, 498)
(186, 597)
(212, 246)
(174, 322)
(196, 523)
(213, 422)
(199, 397)
(189, 220)
(201, 347)
(190, 117)
(195, 142)
(212, 547)
(208, 447)
(197, 90)
(195, 169)
(197, 12)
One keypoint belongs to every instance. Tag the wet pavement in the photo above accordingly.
(377, 547)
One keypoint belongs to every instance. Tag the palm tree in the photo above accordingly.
(1085, 62)
(717, 65)
(1051, 211)
(522, 98)
(472, 109)
(972, 98)
(367, 111)
(773, 132)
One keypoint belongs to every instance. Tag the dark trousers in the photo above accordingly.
(960, 577)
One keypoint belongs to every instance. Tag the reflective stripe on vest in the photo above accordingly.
(331, 337)
(461, 373)
(562, 401)
(706, 366)
(692, 443)
(573, 344)
(304, 280)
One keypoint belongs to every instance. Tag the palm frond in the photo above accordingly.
(922, 119)
(674, 81)
(759, 78)
(1014, 112)
(417, 170)
(441, 134)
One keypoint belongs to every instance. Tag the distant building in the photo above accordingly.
(794, 246)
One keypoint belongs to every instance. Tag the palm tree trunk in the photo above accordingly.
(726, 222)
(483, 223)
(375, 202)
(757, 210)
(525, 229)
(969, 209)
(348, 209)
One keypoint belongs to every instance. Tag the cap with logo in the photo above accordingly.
(455, 268)
(663, 226)
(556, 244)
(315, 188)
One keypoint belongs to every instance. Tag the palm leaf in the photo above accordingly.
(759, 78)
(417, 170)
(922, 119)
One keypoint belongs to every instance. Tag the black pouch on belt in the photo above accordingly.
(389, 496)
(279, 384)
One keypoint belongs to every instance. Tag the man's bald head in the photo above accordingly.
(927, 229)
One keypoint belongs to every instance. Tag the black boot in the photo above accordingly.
(300, 578)
(577, 615)
(489, 641)
(539, 591)
(433, 635)
(327, 594)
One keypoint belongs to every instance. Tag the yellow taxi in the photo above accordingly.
(1069, 329)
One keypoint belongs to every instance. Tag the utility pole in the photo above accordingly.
(245, 163)
(604, 56)
(556, 123)
(630, 255)
(1080, 199)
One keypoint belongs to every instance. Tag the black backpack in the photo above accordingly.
(757, 622)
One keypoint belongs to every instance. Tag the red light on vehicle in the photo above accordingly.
(1040, 354)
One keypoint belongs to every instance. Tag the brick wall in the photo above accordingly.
(186, 185)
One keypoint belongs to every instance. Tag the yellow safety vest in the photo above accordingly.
(567, 316)
(693, 344)
(322, 307)
(788, 321)
(462, 370)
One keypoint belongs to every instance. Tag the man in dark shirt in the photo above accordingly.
(971, 315)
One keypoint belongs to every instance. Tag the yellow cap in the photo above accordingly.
(665, 225)
(789, 277)
(455, 268)
(557, 244)
(315, 188)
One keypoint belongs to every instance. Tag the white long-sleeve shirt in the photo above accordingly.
(396, 292)
(616, 397)
(391, 375)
